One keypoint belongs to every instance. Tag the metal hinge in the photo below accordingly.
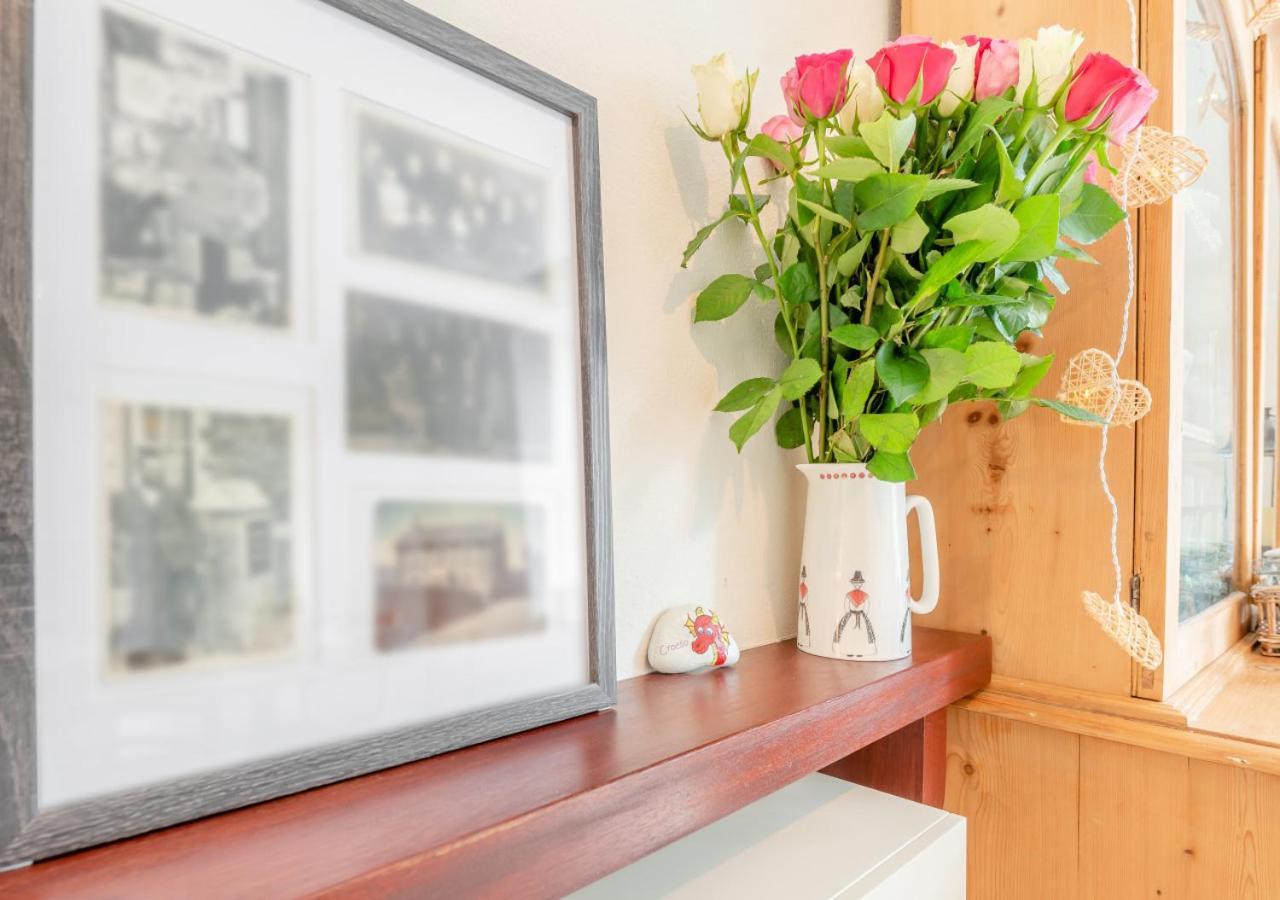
(1135, 591)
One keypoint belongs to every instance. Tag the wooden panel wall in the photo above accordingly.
(1056, 815)
(1022, 525)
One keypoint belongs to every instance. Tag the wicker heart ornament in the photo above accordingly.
(1127, 627)
(1092, 384)
(1154, 165)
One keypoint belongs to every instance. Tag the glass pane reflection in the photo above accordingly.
(1208, 478)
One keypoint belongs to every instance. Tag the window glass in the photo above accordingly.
(1270, 350)
(1209, 445)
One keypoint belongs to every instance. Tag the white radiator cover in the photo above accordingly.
(817, 838)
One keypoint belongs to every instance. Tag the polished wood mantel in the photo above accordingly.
(544, 812)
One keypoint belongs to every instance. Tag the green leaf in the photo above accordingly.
(891, 432)
(1011, 409)
(852, 298)
(886, 319)
(939, 186)
(857, 389)
(855, 337)
(701, 236)
(952, 337)
(1075, 254)
(842, 447)
(753, 420)
(855, 169)
(780, 334)
(947, 267)
(764, 146)
(842, 199)
(849, 145)
(1094, 217)
(1037, 229)
(1071, 412)
(1029, 315)
(891, 466)
(801, 375)
(723, 297)
(964, 299)
(799, 284)
(888, 137)
(983, 114)
(991, 364)
(931, 412)
(886, 200)
(1009, 188)
(850, 259)
(745, 394)
(1034, 368)
(904, 373)
(909, 235)
(994, 227)
(738, 204)
(803, 189)
(789, 429)
(822, 212)
(947, 367)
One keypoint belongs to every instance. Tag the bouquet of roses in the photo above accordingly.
(930, 192)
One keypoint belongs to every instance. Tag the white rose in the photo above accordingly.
(960, 81)
(722, 98)
(1049, 58)
(865, 100)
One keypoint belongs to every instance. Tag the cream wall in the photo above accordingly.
(692, 522)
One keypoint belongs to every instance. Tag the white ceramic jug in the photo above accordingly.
(855, 574)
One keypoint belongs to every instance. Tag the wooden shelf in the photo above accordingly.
(547, 811)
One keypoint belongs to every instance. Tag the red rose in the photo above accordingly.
(817, 86)
(1106, 89)
(911, 59)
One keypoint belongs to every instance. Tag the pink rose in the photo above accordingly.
(817, 86)
(1092, 172)
(1106, 89)
(996, 67)
(782, 129)
(911, 59)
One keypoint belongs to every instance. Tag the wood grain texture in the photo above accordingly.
(1022, 524)
(541, 813)
(1135, 837)
(17, 615)
(1158, 340)
(1230, 696)
(1152, 735)
(910, 763)
(1235, 832)
(1017, 786)
(1056, 815)
(25, 835)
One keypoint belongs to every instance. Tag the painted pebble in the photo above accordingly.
(691, 639)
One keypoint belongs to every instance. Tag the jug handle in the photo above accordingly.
(928, 554)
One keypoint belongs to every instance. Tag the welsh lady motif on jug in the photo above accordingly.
(803, 636)
(861, 634)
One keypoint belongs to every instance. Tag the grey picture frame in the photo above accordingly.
(27, 832)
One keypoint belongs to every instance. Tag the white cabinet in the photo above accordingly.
(817, 838)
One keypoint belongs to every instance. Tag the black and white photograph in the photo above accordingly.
(304, 458)
(200, 535)
(427, 381)
(456, 572)
(195, 144)
(430, 198)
